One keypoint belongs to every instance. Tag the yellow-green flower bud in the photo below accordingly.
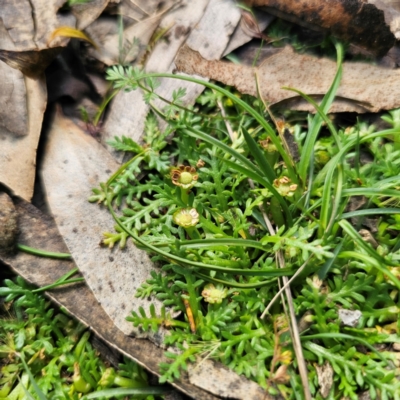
(186, 217)
(107, 379)
(214, 294)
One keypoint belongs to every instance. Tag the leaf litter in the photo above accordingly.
(364, 87)
(357, 103)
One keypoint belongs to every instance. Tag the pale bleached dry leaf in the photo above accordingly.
(223, 382)
(135, 39)
(13, 110)
(349, 317)
(87, 12)
(243, 35)
(350, 20)
(325, 378)
(364, 87)
(138, 10)
(128, 110)
(74, 163)
(207, 26)
(40, 231)
(27, 24)
(18, 154)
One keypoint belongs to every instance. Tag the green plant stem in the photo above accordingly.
(43, 253)
(193, 233)
(185, 196)
(275, 210)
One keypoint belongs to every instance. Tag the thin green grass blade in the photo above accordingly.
(234, 284)
(325, 203)
(317, 120)
(43, 253)
(34, 384)
(112, 393)
(371, 261)
(369, 211)
(206, 243)
(246, 107)
(329, 262)
(225, 148)
(257, 178)
(324, 117)
(337, 199)
(370, 192)
(357, 239)
(255, 151)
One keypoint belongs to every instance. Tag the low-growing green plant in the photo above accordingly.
(46, 355)
(226, 210)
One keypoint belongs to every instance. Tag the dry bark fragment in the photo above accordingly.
(8, 224)
(350, 20)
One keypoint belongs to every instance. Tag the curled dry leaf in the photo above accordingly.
(350, 20)
(364, 87)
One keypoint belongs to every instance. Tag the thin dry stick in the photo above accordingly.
(270, 304)
(227, 124)
(294, 331)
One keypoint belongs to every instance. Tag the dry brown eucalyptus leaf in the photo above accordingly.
(137, 10)
(244, 33)
(363, 88)
(350, 20)
(223, 382)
